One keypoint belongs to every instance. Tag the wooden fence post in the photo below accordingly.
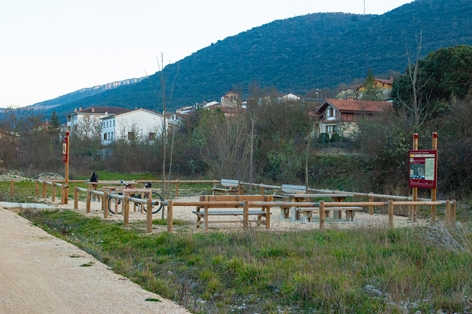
(322, 214)
(44, 189)
(177, 188)
(170, 217)
(390, 213)
(149, 212)
(261, 190)
(36, 191)
(126, 209)
(12, 189)
(453, 212)
(105, 204)
(89, 195)
(76, 197)
(371, 207)
(63, 194)
(448, 213)
(245, 214)
(53, 189)
(206, 218)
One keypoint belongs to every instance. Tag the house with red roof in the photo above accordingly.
(341, 116)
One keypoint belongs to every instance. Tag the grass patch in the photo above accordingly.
(152, 300)
(337, 271)
(163, 222)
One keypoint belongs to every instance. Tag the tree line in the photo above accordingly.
(272, 141)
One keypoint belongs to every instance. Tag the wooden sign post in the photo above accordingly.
(65, 159)
(423, 167)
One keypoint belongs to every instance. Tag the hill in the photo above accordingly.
(298, 54)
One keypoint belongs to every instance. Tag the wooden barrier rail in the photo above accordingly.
(176, 183)
(125, 204)
(450, 215)
(393, 200)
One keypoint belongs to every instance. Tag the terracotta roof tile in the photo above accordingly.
(359, 105)
(100, 109)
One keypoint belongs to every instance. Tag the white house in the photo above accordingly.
(139, 124)
(87, 121)
(342, 116)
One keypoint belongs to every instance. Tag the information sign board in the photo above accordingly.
(423, 167)
(65, 142)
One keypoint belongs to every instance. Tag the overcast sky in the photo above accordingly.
(49, 48)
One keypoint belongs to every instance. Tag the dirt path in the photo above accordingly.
(42, 274)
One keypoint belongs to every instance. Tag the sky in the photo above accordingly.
(50, 48)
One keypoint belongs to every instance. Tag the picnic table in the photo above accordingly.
(306, 213)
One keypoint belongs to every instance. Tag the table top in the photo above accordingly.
(332, 195)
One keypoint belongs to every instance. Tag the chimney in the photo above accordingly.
(80, 108)
(75, 109)
(93, 109)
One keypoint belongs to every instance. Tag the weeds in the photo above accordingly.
(452, 239)
(354, 271)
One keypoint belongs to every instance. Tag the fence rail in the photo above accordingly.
(392, 200)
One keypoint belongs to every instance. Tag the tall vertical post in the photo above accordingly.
(149, 213)
(322, 215)
(170, 216)
(53, 188)
(434, 146)
(65, 159)
(415, 190)
(12, 189)
(76, 197)
(66, 190)
(390, 214)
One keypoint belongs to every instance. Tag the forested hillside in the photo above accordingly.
(299, 54)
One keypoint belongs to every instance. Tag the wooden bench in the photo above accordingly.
(219, 209)
(289, 189)
(227, 186)
(305, 214)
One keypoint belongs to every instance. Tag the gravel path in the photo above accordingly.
(42, 274)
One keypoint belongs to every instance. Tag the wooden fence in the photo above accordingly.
(450, 205)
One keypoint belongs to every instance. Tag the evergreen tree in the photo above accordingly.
(371, 92)
(55, 124)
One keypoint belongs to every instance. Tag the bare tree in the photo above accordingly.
(224, 144)
(165, 97)
(417, 105)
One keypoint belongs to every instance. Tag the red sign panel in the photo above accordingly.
(423, 166)
(65, 143)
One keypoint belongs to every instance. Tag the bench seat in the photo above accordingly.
(221, 209)
(229, 213)
(227, 186)
(305, 214)
(350, 211)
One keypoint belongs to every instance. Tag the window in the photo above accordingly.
(331, 128)
(130, 136)
(105, 137)
(113, 122)
(330, 112)
(152, 136)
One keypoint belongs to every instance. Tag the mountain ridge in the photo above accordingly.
(299, 54)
